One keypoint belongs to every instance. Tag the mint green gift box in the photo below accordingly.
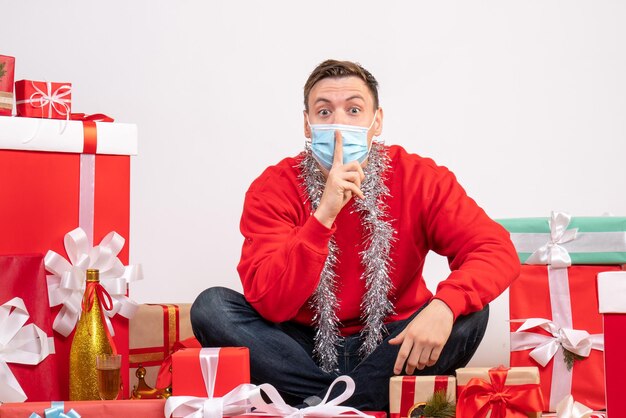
(587, 240)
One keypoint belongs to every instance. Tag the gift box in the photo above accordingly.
(43, 99)
(153, 332)
(7, 71)
(152, 408)
(225, 368)
(82, 180)
(407, 391)
(498, 392)
(23, 276)
(554, 309)
(612, 304)
(585, 240)
(553, 306)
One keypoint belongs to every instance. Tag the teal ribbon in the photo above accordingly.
(56, 410)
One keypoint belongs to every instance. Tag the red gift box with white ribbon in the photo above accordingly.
(225, 368)
(55, 179)
(553, 309)
(43, 99)
(407, 391)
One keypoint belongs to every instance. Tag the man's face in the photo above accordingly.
(343, 100)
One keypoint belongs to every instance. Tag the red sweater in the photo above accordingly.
(285, 246)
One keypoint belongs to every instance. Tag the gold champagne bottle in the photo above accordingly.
(90, 339)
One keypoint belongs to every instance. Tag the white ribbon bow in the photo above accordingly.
(568, 408)
(246, 396)
(327, 408)
(19, 344)
(552, 253)
(545, 347)
(67, 283)
(235, 402)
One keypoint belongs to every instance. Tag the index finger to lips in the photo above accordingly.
(338, 154)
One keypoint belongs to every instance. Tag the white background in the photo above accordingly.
(524, 100)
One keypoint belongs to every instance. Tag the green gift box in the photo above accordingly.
(562, 240)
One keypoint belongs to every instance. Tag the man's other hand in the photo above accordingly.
(342, 182)
(423, 339)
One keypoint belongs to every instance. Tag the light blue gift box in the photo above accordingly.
(587, 240)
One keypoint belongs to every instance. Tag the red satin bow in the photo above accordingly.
(479, 397)
(106, 303)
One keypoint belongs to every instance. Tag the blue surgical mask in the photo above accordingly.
(354, 142)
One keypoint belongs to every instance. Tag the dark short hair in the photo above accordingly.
(338, 69)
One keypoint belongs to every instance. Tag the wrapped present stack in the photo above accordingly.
(555, 324)
(64, 208)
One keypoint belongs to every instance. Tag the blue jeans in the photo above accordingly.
(281, 354)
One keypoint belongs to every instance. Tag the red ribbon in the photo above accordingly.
(515, 401)
(96, 117)
(164, 377)
(90, 133)
(106, 303)
(441, 384)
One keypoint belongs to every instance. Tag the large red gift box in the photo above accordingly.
(407, 391)
(41, 200)
(42, 99)
(611, 292)
(149, 408)
(225, 368)
(567, 298)
(7, 71)
(24, 276)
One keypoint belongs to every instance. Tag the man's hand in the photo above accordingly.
(342, 182)
(423, 339)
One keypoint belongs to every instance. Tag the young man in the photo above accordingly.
(331, 265)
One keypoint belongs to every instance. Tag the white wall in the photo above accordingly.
(524, 101)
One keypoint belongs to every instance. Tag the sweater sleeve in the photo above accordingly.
(482, 259)
(281, 261)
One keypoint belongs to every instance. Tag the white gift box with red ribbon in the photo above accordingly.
(34, 134)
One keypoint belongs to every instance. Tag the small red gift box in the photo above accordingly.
(218, 369)
(611, 291)
(7, 71)
(42, 99)
(150, 408)
(498, 392)
(407, 391)
(562, 302)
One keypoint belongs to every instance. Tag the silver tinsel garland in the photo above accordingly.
(378, 237)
